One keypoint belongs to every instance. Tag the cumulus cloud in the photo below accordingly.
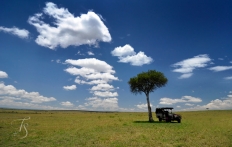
(228, 78)
(12, 103)
(217, 104)
(105, 93)
(81, 107)
(188, 104)
(220, 68)
(92, 82)
(79, 53)
(136, 60)
(67, 29)
(185, 76)
(102, 87)
(106, 104)
(90, 74)
(126, 54)
(126, 50)
(72, 87)
(91, 69)
(90, 53)
(33, 97)
(187, 66)
(142, 106)
(97, 73)
(3, 74)
(184, 99)
(92, 63)
(220, 104)
(21, 33)
(67, 104)
(58, 61)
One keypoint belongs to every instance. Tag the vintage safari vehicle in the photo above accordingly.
(165, 113)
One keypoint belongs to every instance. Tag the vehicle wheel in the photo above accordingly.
(179, 120)
(160, 119)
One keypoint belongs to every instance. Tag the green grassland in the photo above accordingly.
(77, 129)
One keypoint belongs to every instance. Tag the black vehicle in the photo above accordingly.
(165, 113)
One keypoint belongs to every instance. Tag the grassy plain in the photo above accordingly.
(77, 129)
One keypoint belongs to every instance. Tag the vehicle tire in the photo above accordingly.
(160, 119)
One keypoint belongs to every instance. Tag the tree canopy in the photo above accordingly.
(147, 82)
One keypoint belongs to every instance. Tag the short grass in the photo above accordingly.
(78, 129)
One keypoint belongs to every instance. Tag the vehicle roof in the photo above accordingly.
(165, 108)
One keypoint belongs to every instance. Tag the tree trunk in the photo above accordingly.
(149, 109)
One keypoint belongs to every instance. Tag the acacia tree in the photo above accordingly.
(147, 82)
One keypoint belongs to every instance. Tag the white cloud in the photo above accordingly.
(104, 76)
(3, 74)
(217, 104)
(228, 78)
(33, 97)
(72, 87)
(91, 69)
(67, 29)
(169, 101)
(220, 68)
(106, 104)
(102, 87)
(92, 63)
(98, 73)
(90, 74)
(126, 50)
(188, 104)
(90, 53)
(81, 107)
(79, 53)
(187, 99)
(21, 33)
(142, 106)
(231, 62)
(92, 82)
(80, 71)
(66, 104)
(220, 104)
(191, 99)
(136, 60)
(126, 54)
(11, 103)
(105, 93)
(184, 76)
(58, 61)
(187, 66)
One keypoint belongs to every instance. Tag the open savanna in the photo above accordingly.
(76, 128)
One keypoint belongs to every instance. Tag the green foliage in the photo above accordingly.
(147, 82)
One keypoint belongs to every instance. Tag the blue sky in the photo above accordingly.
(80, 54)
